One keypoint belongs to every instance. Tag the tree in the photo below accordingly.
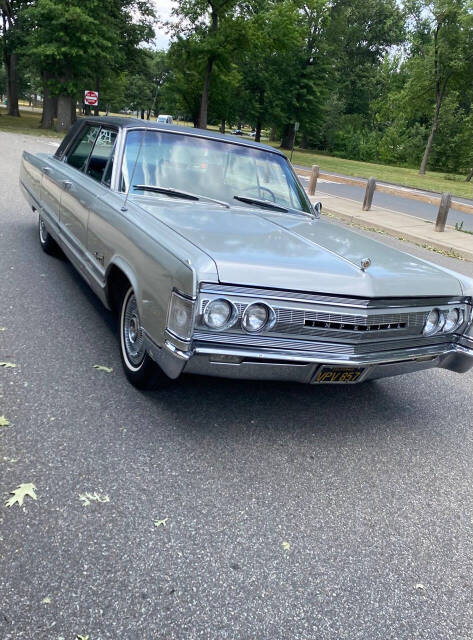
(73, 42)
(274, 37)
(204, 19)
(12, 35)
(441, 56)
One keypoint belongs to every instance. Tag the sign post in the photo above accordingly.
(91, 98)
(296, 129)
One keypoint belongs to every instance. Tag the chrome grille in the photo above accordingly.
(307, 321)
(355, 327)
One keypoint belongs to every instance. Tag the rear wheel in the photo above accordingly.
(140, 369)
(47, 242)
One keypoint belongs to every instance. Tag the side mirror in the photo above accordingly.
(317, 207)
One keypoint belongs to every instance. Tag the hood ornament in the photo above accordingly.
(365, 263)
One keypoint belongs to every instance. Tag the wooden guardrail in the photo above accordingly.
(444, 202)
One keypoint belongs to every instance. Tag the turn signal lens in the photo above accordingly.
(180, 316)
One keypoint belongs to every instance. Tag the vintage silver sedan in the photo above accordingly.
(216, 263)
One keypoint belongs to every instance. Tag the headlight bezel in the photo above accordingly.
(442, 327)
(232, 318)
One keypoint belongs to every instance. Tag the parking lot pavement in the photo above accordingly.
(240, 511)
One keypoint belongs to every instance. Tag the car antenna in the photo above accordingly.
(124, 207)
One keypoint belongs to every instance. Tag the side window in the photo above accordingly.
(107, 176)
(80, 152)
(101, 154)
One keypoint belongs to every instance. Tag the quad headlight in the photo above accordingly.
(453, 318)
(443, 321)
(220, 314)
(257, 316)
(433, 322)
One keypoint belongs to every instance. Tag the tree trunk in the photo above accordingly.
(258, 131)
(288, 136)
(428, 147)
(259, 123)
(49, 104)
(148, 114)
(73, 111)
(11, 62)
(272, 134)
(469, 176)
(204, 102)
(142, 114)
(222, 126)
(64, 112)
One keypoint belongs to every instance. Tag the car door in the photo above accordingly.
(52, 186)
(76, 195)
(100, 230)
(87, 162)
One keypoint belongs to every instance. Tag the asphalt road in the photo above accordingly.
(395, 203)
(370, 485)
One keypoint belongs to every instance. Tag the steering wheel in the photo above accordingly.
(260, 188)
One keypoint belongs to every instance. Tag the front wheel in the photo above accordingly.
(140, 369)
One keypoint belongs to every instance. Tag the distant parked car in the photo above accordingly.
(238, 132)
(252, 133)
(216, 263)
(164, 119)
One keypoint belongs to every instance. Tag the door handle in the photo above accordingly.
(46, 170)
(67, 184)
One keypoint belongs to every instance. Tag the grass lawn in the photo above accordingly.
(432, 181)
(27, 123)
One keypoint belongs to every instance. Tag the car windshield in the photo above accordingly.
(210, 168)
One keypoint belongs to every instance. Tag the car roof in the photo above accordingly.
(136, 123)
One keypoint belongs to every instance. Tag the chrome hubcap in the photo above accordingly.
(132, 332)
(43, 234)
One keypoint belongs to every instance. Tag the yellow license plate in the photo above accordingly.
(338, 375)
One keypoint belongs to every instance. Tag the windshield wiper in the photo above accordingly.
(262, 203)
(175, 193)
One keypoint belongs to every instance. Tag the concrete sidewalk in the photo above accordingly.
(399, 225)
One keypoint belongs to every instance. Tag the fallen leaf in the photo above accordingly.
(8, 365)
(46, 601)
(3, 422)
(100, 367)
(3, 328)
(286, 546)
(419, 587)
(79, 637)
(160, 523)
(19, 494)
(88, 498)
(10, 459)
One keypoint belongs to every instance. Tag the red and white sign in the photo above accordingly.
(91, 98)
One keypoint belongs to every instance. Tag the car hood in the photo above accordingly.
(263, 249)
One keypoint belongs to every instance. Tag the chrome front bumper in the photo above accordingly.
(287, 365)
